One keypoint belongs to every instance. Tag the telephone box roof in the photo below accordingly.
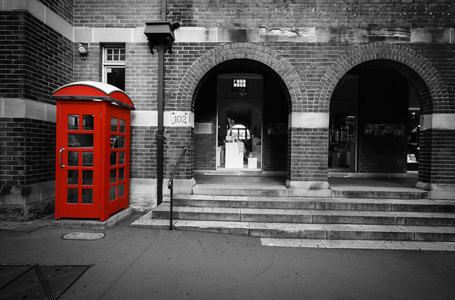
(92, 90)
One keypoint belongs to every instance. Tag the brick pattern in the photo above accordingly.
(178, 138)
(308, 154)
(209, 58)
(27, 151)
(63, 8)
(424, 75)
(119, 13)
(437, 156)
(143, 152)
(324, 13)
(32, 74)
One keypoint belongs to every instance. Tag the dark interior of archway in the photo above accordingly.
(374, 116)
(276, 107)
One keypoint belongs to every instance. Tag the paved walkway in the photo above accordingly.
(143, 263)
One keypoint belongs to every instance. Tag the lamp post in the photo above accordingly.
(160, 34)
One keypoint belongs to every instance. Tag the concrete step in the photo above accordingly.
(309, 231)
(336, 191)
(226, 190)
(305, 216)
(379, 193)
(360, 244)
(356, 204)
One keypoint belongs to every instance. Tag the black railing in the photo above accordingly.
(170, 185)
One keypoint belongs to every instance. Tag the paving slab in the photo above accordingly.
(360, 245)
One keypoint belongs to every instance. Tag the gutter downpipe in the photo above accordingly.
(160, 135)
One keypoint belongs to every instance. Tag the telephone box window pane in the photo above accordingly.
(73, 177)
(121, 158)
(87, 196)
(73, 122)
(117, 141)
(121, 174)
(114, 124)
(87, 177)
(72, 196)
(73, 158)
(121, 190)
(113, 193)
(113, 158)
(88, 122)
(113, 175)
(122, 126)
(87, 159)
(80, 140)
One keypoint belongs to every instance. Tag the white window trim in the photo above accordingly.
(113, 64)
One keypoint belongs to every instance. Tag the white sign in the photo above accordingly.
(179, 118)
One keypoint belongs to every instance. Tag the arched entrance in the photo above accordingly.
(241, 109)
(374, 120)
(432, 95)
(265, 60)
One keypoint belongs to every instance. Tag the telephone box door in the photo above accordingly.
(78, 161)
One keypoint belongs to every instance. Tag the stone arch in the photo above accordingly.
(196, 72)
(419, 71)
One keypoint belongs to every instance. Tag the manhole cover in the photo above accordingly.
(84, 236)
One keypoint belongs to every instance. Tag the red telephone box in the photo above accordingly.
(93, 150)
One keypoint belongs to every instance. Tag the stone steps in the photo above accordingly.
(421, 205)
(335, 192)
(310, 218)
(305, 216)
(309, 231)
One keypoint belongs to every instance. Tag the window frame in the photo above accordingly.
(106, 64)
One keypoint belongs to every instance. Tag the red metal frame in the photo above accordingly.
(111, 150)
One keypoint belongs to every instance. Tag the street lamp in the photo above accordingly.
(160, 34)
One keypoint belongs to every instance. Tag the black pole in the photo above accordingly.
(160, 134)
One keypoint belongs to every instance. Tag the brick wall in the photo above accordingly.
(310, 70)
(178, 138)
(324, 13)
(27, 152)
(32, 74)
(437, 156)
(63, 8)
(143, 152)
(308, 154)
(119, 13)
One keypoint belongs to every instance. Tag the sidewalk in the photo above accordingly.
(143, 263)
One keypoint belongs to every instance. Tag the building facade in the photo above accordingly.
(304, 88)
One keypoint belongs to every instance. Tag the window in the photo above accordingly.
(114, 65)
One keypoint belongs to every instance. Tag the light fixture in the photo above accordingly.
(83, 51)
(161, 33)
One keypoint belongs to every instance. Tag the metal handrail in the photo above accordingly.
(170, 185)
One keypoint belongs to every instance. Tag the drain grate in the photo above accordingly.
(37, 282)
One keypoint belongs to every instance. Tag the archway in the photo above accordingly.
(374, 114)
(241, 104)
(275, 65)
(421, 74)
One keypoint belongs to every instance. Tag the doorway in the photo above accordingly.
(241, 100)
(239, 121)
(374, 121)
